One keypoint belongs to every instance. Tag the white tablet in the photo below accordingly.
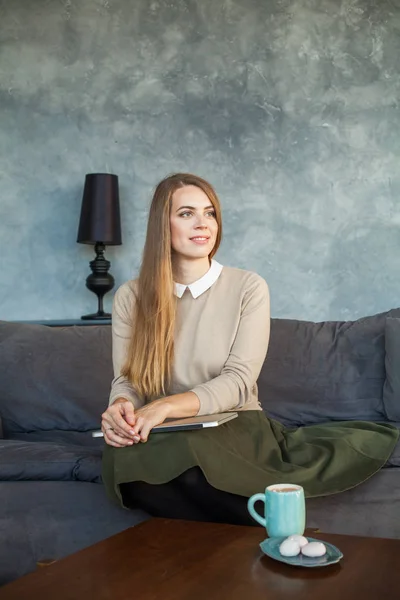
(194, 422)
(188, 423)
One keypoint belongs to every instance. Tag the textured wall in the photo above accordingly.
(289, 107)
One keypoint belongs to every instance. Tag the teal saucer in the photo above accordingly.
(270, 547)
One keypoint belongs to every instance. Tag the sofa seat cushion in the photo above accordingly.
(330, 371)
(56, 436)
(391, 390)
(53, 377)
(45, 461)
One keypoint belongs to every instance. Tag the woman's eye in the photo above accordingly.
(188, 213)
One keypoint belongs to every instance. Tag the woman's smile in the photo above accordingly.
(200, 240)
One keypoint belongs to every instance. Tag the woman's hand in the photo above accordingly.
(149, 416)
(117, 424)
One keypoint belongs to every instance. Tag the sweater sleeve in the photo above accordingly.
(122, 312)
(232, 388)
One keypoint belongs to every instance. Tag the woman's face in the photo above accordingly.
(193, 224)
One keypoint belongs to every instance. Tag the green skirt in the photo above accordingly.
(250, 452)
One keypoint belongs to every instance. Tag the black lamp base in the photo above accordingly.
(100, 281)
(97, 317)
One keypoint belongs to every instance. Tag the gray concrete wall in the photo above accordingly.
(289, 107)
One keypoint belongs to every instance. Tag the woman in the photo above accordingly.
(189, 338)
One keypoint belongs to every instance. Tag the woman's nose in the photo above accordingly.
(200, 223)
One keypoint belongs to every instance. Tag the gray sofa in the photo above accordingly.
(54, 384)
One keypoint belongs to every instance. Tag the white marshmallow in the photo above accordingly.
(313, 549)
(289, 548)
(300, 539)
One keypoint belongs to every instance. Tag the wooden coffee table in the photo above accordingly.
(175, 560)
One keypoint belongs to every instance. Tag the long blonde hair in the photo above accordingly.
(151, 349)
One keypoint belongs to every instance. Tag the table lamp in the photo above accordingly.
(100, 224)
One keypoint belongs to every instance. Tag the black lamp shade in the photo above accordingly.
(100, 219)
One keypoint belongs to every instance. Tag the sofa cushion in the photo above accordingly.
(391, 389)
(316, 372)
(53, 378)
(45, 461)
(57, 436)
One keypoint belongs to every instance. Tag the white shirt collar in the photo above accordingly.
(201, 285)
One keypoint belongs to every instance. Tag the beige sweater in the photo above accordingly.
(221, 340)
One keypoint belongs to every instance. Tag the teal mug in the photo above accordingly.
(285, 510)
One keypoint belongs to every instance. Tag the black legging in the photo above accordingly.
(188, 496)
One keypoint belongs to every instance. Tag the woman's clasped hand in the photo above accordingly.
(122, 425)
